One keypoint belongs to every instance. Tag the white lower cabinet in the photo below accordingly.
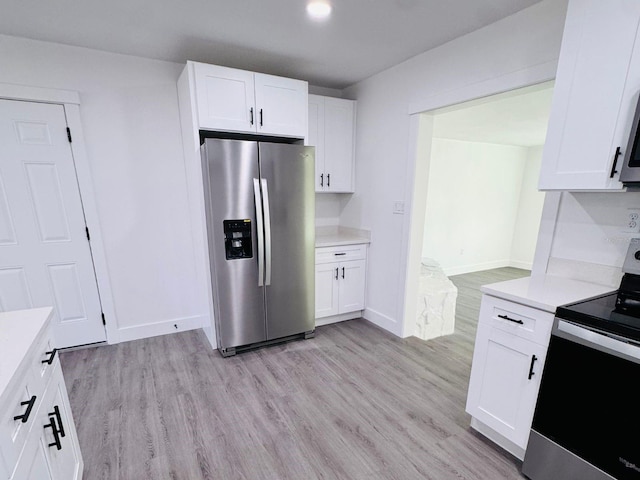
(340, 285)
(52, 447)
(508, 359)
(38, 439)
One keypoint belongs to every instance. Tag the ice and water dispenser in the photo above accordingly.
(237, 239)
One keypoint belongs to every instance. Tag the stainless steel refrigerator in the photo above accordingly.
(260, 208)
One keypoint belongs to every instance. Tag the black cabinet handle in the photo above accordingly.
(342, 272)
(504, 317)
(56, 435)
(322, 179)
(328, 179)
(52, 355)
(615, 162)
(339, 254)
(251, 113)
(260, 117)
(25, 416)
(56, 413)
(336, 273)
(531, 372)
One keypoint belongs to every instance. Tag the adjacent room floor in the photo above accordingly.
(353, 403)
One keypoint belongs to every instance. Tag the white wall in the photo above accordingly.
(130, 118)
(525, 233)
(589, 242)
(500, 55)
(473, 197)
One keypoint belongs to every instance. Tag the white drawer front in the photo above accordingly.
(341, 254)
(43, 353)
(521, 320)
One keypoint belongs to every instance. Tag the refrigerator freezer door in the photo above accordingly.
(288, 175)
(229, 168)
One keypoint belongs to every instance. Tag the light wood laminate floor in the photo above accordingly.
(353, 403)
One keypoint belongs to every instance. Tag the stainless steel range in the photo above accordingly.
(586, 421)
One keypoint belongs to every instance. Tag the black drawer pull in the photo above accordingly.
(25, 416)
(531, 372)
(52, 355)
(56, 413)
(56, 435)
(338, 254)
(504, 317)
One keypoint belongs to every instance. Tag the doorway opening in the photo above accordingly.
(480, 208)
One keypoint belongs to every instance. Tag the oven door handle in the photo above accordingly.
(599, 341)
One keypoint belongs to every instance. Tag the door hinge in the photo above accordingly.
(69, 134)
(104, 322)
(88, 236)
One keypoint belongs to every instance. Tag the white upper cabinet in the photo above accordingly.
(281, 106)
(594, 97)
(332, 132)
(232, 100)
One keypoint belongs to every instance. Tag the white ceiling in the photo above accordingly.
(518, 118)
(363, 37)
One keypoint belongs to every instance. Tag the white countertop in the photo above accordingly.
(18, 331)
(545, 292)
(336, 236)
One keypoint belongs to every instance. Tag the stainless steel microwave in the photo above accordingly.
(630, 172)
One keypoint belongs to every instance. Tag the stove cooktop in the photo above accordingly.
(600, 313)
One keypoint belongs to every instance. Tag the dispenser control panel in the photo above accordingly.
(237, 239)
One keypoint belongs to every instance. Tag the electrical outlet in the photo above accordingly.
(632, 221)
(398, 207)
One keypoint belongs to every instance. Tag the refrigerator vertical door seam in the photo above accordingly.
(259, 231)
(267, 232)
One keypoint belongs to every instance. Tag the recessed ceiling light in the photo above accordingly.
(319, 9)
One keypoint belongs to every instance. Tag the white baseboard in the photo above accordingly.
(338, 318)
(478, 267)
(160, 328)
(475, 267)
(522, 265)
(383, 321)
(210, 333)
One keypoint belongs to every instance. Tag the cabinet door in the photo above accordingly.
(327, 289)
(339, 116)
(282, 106)
(34, 463)
(590, 83)
(66, 463)
(315, 138)
(352, 282)
(501, 394)
(225, 98)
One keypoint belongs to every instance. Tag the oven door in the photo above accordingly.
(587, 416)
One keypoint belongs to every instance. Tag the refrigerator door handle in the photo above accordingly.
(267, 232)
(259, 231)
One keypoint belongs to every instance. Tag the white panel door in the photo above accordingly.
(282, 105)
(225, 98)
(326, 289)
(339, 116)
(351, 279)
(45, 257)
